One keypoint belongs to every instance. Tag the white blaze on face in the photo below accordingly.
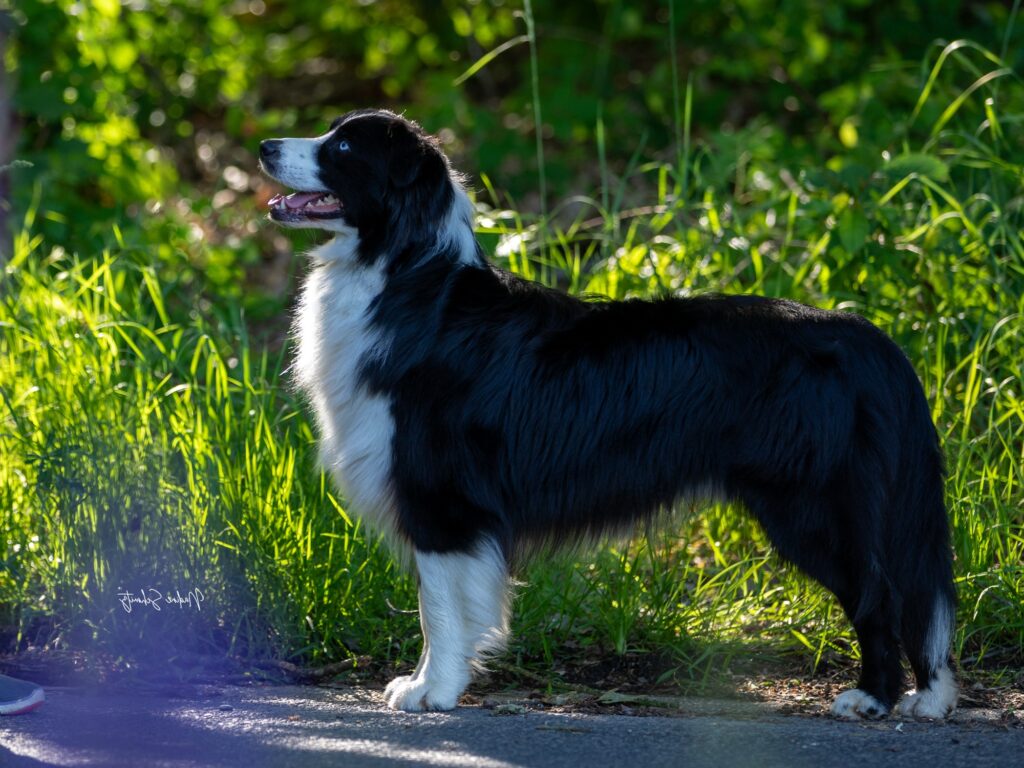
(297, 164)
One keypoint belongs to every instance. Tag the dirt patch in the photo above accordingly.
(810, 696)
(646, 684)
(978, 707)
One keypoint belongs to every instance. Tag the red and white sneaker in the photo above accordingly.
(18, 696)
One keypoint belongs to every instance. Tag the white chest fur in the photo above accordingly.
(334, 339)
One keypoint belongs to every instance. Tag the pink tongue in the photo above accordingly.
(299, 199)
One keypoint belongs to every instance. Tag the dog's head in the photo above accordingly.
(374, 174)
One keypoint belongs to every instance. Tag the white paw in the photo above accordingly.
(413, 694)
(928, 704)
(935, 702)
(858, 705)
(396, 684)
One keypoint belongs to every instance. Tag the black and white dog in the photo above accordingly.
(469, 414)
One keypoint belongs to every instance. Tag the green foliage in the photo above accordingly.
(144, 452)
(853, 155)
(122, 103)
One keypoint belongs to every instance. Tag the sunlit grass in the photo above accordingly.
(142, 453)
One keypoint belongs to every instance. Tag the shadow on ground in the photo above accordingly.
(311, 727)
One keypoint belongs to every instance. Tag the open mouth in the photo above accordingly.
(300, 206)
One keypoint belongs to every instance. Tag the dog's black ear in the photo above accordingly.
(407, 154)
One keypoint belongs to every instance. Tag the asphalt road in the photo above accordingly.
(253, 727)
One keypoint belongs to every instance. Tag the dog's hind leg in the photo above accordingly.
(881, 675)
(811, 533)
(868, 604)
(463, 613)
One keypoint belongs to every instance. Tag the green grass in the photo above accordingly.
(146, 441)
(140, 452)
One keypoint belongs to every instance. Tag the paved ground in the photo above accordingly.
(312, 727)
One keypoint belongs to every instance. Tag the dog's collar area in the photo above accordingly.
(305, 205)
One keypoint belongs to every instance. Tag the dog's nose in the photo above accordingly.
(270, 149)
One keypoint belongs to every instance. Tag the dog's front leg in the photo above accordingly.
(463, 613)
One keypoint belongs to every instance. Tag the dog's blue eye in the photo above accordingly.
(343, 146)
